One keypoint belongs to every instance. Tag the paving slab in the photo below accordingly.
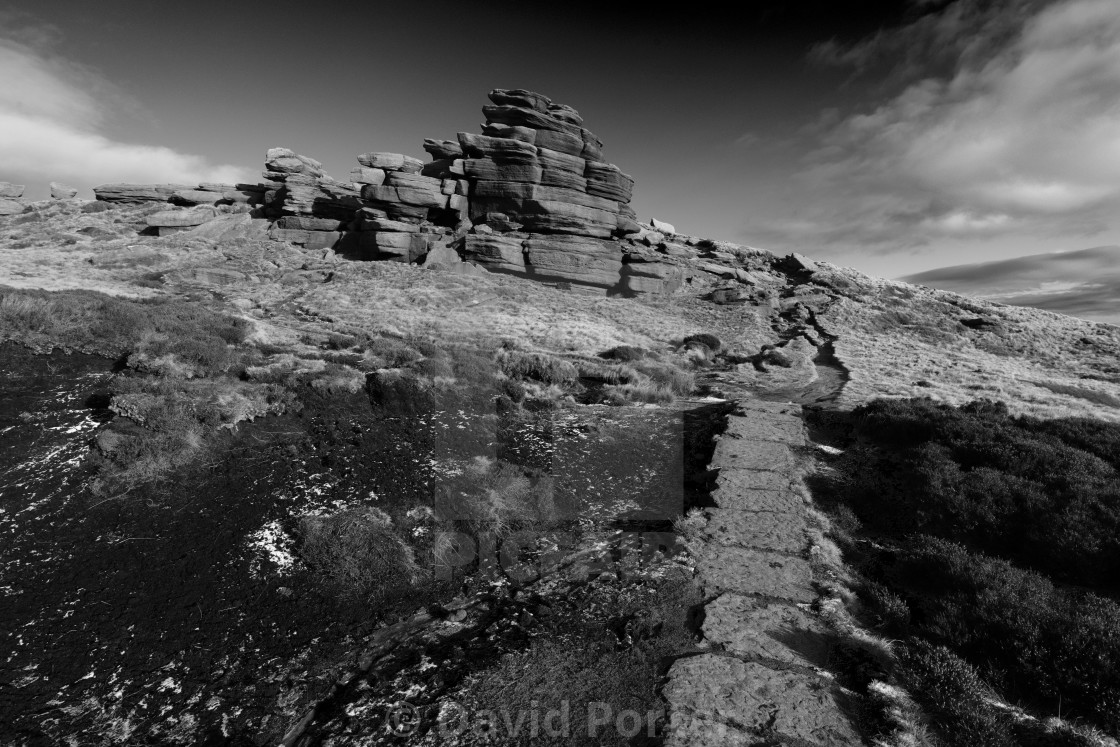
(758, 629)
(748, 454)
(745, 493)
(745, 571)
(714, 689)
(762, 531)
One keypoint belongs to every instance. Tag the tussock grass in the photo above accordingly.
(164, 337)
(171, 422)
(358, 554)
(542, 367)
(493, 497)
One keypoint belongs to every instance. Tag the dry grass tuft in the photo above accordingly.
(358, 554)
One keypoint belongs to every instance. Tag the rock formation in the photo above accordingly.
(530, 195)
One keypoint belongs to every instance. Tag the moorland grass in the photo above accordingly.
(165, 336)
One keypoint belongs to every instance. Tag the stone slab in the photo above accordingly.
(760, 530)
(711, 689)
(757, 629)
(781, 500)
(745, 571)
(750, 454)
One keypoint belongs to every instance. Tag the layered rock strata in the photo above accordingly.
(530, 195)
(764, 677)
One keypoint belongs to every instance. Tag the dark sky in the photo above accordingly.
(735, 121)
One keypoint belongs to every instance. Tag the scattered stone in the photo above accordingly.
(60, 191)
(11, 191)
(442, 255)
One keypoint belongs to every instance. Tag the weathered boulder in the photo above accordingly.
(644, 275)
(137, 192)
(439, 169)
(319, 196)
(499, 222)
(562, 142)
(195, 197)
(218, 187)
(309, 223)
(574, 259)
(607, 180)
(366, 175)
(511, 132)
(495, 252)
(11, 207)
(229, 227)
(548, 216)
(592, 146)
(386, 225)
(455, 187)
(496, 147)
(418, 196)
(520, 97)
(563, 179)
(395, 246)
(662, 226)
(306, 239)
(627, 226)
(442, 254)
(180, 218)
(416, 181)
(11, 191)
(285, 161)
(565, 113)
(443, 149)
(554, 159)
(244, 196)
(516, 115)
(391, 162)
(60, 191)
(487, 169)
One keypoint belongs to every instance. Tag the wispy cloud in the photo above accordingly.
(1005, 119)
(54, 115)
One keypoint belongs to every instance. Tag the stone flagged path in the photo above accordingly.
(764, 678)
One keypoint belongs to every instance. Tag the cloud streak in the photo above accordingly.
(1011, 125)
(1084, 283)
(53, 114)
